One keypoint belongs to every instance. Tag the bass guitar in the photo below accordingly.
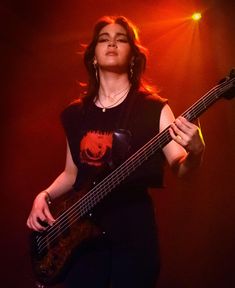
(53, 248)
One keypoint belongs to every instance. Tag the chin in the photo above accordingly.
(114, 67)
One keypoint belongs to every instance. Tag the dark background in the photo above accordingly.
(41, 65)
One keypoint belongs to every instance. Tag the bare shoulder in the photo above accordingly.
(167, 117)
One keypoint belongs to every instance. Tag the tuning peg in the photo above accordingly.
(232, 73)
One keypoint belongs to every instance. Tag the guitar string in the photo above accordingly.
(185, 113)
(86, 203)
(82, 211)
(219, 87)
(82, 208)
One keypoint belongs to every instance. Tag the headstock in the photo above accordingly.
(228, 84)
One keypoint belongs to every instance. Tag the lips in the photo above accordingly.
(111, 53)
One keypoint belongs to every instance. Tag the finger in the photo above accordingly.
(188, 127)
(181, 135)
(177, 136)
(37, 227)
(49, 217)
(185, 122)
(41, 216)
(39, 221)
(184, 126)
(34, 225)
(28, 223)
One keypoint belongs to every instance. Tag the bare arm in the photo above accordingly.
(65, 180)
(185, 152)
(62, 184)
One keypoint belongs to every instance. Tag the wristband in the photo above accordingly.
(48, 197)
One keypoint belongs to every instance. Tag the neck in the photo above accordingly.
(111, 84)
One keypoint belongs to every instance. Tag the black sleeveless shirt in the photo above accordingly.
(91, 135)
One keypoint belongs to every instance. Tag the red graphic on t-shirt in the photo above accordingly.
(95, 147)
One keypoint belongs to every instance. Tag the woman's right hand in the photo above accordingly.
(40, 213)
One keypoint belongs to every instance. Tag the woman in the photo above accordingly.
(115, 119)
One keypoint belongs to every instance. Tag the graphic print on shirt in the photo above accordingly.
(95, 147)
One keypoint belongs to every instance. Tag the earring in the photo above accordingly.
(94, 62)
(132, 68)
(96, 69)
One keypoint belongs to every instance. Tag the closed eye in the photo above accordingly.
(122, 40)
(100, 40)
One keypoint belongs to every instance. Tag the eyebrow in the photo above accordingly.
(107, 34)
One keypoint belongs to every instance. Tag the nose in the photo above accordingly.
(112, 43)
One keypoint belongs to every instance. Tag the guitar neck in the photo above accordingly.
(116, 177)
(206, 101)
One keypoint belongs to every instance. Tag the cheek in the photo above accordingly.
(99, 54)
(96, 52)
(99, 50)
(127, 56)
(127, 53)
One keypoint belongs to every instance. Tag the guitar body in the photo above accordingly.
(50, 264)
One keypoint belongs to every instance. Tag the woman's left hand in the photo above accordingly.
(187, 135)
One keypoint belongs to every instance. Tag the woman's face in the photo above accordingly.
(113, 51)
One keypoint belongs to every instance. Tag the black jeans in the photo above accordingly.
(126, 257)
